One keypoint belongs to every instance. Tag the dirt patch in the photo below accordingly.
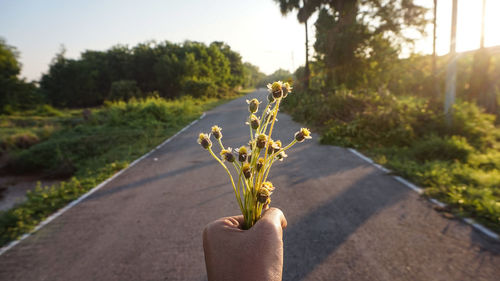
(13, 188)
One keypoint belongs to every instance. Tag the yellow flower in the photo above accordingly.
(254, 122)
(265, 192)
(286, 89)
(303, 134)
(276, 89)
(242, 153)
(260, 163)
(204, 140)
(245, 169)
(216, 131)
(261, 141)
(227, 155)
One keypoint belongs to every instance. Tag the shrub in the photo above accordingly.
(46, 110)
(21, 140)
(199, 88)
(124, 90)
(442, 148)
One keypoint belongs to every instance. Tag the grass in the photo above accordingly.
(458, 164)
(86, 147)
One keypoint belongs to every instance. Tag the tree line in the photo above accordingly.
(167, 69)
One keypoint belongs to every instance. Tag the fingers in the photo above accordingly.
(274, 216)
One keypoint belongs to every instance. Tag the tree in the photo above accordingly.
(346, 31)
(169, 69)
(9, 69)
(287, 6)
(480, 89)
(434, 56)
(15, 93)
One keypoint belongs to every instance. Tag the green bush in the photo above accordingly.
(124, 90)
(199, 88)
(446, 149)
(46, 110)
(459, 163)
(20, 140)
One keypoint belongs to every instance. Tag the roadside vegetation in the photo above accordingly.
(90, 117)
(358, 92)
(458, 164)
(83, 148)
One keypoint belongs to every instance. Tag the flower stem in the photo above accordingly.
(230, 177)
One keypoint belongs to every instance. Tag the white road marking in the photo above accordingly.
(419, 190)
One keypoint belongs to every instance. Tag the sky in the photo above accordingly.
(256, 29)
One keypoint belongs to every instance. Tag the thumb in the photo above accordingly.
(273, 216)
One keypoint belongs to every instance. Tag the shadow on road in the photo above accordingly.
(144, 181)
(317, 234)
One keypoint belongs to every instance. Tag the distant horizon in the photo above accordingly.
(257, 31)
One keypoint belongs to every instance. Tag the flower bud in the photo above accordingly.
(265, 192)
(277, 146)
(281, 156)
(263, 195)
(253, 105)
(286, 89)
(204, 140)
(276, 89)
(260, 164)
(254, 122)
(261, 141)
(303, 134)
(216, 131)
(245, 169)
(270, 148)
(227, 155)
(242, 153)
(268, 186)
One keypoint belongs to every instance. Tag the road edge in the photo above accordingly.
(96, 188)
(481, 228)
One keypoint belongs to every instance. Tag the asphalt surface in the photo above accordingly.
(346, 219)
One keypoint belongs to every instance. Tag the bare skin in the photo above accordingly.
(235, 254)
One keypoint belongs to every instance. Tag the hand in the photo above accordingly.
(235, 254)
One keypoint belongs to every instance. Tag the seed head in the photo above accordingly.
(277, 146)
(245, 169)
(242, 153)
(286, 89)
(261, 141)
(270, 147)
(282, 155)
(303, 134)
(254, 122)
(263, 195)
(260, 163)
(268, 186)
(265, 192)
(216, 131)
(253, 105)
(276, 89)
(204, 140)
(227, 155)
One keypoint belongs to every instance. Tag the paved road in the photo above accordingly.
(347, 220)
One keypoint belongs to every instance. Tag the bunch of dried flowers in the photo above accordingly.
(253, 163)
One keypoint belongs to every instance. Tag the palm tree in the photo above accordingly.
(287, 6)
(451, 75)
